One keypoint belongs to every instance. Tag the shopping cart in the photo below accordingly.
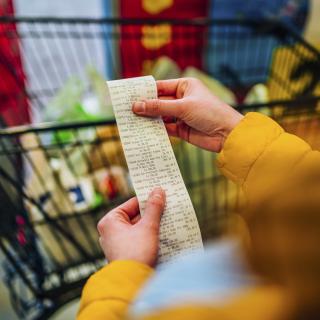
(58, 179)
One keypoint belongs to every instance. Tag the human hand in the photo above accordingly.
(125, 235)
(201, 118)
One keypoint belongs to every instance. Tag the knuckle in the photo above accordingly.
(156, 202)
(184, 83)
(155, 106)
(181, 108)
(104, 223)
(154, 227)
(190, 80)
(100, 226)
(194, 80)
(162, 87)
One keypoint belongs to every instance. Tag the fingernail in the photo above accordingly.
(139, 107)
(157, 193)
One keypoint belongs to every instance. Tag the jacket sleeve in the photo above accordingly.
(258, 155)
(108, 293)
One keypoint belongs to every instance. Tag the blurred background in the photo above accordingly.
(62, 164)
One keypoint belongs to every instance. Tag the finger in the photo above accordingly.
(204, 141)
(182, 130)
(175, 87)
(172, 129)
(194, 136)
(159, 107)
(154, 209)
(122, 214)
(164, 118)
(129, 208)
(136, 219)
(167, 87)
(169, 119)
(167, 98)
(178, 129)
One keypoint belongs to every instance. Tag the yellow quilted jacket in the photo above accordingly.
(257, 153)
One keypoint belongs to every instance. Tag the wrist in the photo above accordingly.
(132, 262)
(147, 262)
(234, 117)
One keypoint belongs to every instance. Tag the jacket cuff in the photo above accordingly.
(118, 280)
(245, 144)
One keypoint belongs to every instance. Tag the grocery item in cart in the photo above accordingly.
(99, 93)
(113, 182)
(78, 100)
(66, 104)
(66, 196)
(41, 181)
(79, 189)
(258, 94)
(107, 150)
(164, 68)
(58, 192)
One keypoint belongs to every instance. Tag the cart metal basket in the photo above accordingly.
(58, 179)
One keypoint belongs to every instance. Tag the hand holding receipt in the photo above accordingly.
(152, 163)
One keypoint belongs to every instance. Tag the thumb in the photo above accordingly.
(158, 107)
(154, 209)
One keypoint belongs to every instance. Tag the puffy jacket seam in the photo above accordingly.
(113, 298)
(234, 177)
(302, 157)
(260, 155)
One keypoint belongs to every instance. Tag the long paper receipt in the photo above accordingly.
(152, 163)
